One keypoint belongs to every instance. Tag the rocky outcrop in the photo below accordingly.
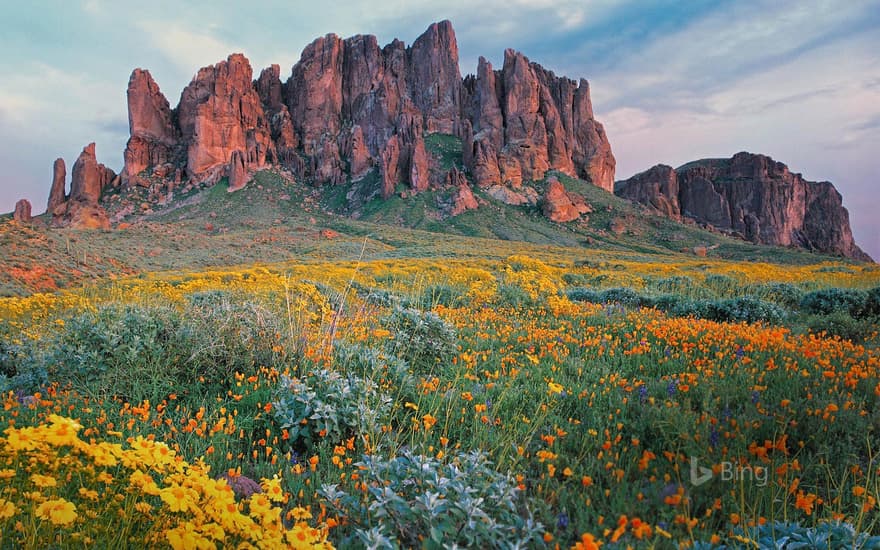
(656, 187)
(561, 206)
(463, 198)
(435, 79)
(220, 112)
(351, 106)
(90, 178)
(22, 212)
(753, 197)
(237, 172)
(153, 134)
(56, 193)
(526, 121)
(81, 209)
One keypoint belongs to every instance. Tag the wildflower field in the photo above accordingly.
(530, 402)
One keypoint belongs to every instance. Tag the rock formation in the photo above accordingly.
(153, 134)
(220, 112)
(350, 105)
(56, 193)
(81, 210)
(22, 213)
(237, 172)
(753, 197)
(462, 197)
(560, 205)
(524, 121)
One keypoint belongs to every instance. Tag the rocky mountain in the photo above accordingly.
(350, 106)
(751, 196)
(361, 122)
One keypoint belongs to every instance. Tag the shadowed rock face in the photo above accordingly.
(753, 197)
(350, 105)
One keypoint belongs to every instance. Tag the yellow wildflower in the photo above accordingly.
(58, 511)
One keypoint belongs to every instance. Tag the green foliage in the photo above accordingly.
(416, 501)
(422, 337)
(137, 352)
(579, 294)
(784, 294)
(743, 309)
(839, 323)
(513, 296)
(790, 536)
(325, 403)
(829, 300)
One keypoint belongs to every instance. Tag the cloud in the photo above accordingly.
(185, 48)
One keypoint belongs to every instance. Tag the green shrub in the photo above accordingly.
(839, 323)
(579, 294)
(789, 536)
(137, 352)
(514, 297)
(127, 351)
(329, 403)
(575, 279)
(623, 296)
(829, 300)
(664, 302)
(735, 310)
(416, 501)
(784, 294)
(677, 284)
(422, 338)
(748, 309)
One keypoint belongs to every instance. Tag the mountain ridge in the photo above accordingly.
(358, 116)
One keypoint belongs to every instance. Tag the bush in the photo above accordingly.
(421, 337)
(839, 323)
(130, 352)
(664, 302)
(623, 296)
(784, 294)
(416, 501)
(735, 310)
(746, 308)
(328, 404)
(136, 352)
(789, 536)
(829, 300)
(584, 295)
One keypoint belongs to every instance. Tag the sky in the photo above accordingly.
(671, 81)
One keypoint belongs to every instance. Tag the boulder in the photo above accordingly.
(561, 206)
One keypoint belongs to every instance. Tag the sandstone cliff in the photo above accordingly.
(753, 197)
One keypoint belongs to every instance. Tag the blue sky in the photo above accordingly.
(671, 81)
